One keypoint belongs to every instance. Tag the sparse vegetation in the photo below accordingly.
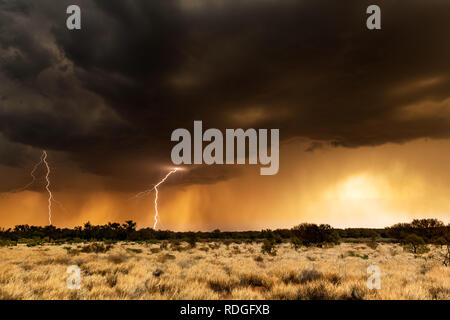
(39, 272)
(432, 231)
(307, 262)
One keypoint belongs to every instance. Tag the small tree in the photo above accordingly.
(312, 234)
(269, 247)
(192, 241)
(296, 242)
(215, 234)
(272, 236)
(441, 241)
(333, 237)
(415, 242)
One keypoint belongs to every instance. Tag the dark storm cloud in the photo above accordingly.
(111, 94)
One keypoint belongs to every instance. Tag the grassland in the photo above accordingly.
(219, 271)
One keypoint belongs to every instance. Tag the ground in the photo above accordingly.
(218, 271)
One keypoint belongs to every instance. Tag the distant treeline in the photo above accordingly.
(430, 230)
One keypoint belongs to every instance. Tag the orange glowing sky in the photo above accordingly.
(345, 187)
(363, 115)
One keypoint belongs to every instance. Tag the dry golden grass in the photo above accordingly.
(236, 272)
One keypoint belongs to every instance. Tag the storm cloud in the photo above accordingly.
(108, 96)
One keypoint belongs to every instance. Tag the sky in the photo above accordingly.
(364, 116)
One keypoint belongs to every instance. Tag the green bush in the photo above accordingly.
(296, 242)
(7, 243)
(313, 234)
(269, 247)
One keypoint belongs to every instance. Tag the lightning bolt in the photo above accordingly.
(155, 187)
(51, 199)
(33, 179)
(156, 195)
(47, 186)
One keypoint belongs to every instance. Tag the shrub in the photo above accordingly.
(117, 258)
(272, 236)
(309, 275)
(269, 247)
(73, 252)
(254, 280)
(358, 293)
(165, 257)
(227, 242)
(192, 240)
(163, 245)
(214, 245)
(176, 247)
(111, 280)
(439, 292)
(236, 250)
(96, 247)
(353, 254)
(259, 259)
(7, 243)
(318, 292)
(430, 230)
(414, 243)
(441, 241)
(372, 244)
(36, 241)
(296, 242)
(222, 284)
(314, 234)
